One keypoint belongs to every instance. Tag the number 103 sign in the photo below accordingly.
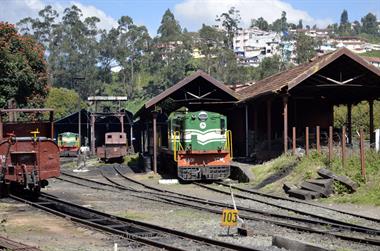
(229, 217)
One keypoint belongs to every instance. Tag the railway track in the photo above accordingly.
(140, 232)
(322, 219)
(255, 192)
(11, 245)
(292, 208)
(306, 225)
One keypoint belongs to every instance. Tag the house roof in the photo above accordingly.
(289, 79)
(181, 84)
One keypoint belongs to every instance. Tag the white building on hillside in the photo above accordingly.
(253, 44)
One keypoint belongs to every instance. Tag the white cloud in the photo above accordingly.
(106, 22)
(13, 11)
(192, 13)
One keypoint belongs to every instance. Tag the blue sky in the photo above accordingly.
(192, 13)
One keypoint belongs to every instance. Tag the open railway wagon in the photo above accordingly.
(115, 147)
(68, 143)
(200, 146)
(28, 154)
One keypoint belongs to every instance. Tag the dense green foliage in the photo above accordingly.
(63, 101)
(81, 56)
(371, 54)
(360, 116)
(23, 73)
(305, 49)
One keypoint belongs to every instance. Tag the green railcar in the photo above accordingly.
(200, 144)
(68, 143)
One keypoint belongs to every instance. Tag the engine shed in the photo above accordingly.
(304, 98)
(263, 116)
(198, 91)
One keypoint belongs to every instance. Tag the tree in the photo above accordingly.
(63, 101)
(284, 24)
(133, 42)
(261, 23)
(169, 30)
(107, 49)
(230, 23)
(345, 26)
(211, 42)
(369, 24)
(23, 74)
(344, 18)
(356, 27)
(268, 67)
(280, 25)
(300, 25)
(74, 52)
(305, 48)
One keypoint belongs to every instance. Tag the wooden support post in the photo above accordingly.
(79, 123)
(318, 139)
(307, 140)
(294, 138)
(1, 126)
(92, 126)
(362, 156)
(51, 119)
(131, 137)
(349, 123)
(155, 142)
(285, 113)
(121, 118)
(330, 143)
(371, 125)
(255, 124)
(269, 124)
(343, 146)
(246, 131)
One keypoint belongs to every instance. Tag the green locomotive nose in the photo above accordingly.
(199, 131)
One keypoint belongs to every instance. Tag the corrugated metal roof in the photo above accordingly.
(290, 78)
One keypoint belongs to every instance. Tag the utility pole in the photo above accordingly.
(76, 80)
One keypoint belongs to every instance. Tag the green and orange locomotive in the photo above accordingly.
(200, 144)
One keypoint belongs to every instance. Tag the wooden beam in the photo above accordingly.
(294, 140)
(307, 140)
(318, 139)
(349, 123)
(343, 146)
(92, 134)
(255, 123)
(246, 131)
(371, 125)
(269, 124)
(155, 142)
(330, 143)
(285, 114)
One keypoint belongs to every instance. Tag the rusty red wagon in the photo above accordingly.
(28, 154)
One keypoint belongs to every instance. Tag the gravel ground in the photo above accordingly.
(204, 223)
(307, 208)
(71, 236)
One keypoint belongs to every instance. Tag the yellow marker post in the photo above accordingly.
(229, 218)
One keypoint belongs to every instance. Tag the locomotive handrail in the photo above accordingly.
(176, 144)
(228, 144)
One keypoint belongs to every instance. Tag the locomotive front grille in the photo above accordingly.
(204, 172)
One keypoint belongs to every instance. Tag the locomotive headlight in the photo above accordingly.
(202, 116)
